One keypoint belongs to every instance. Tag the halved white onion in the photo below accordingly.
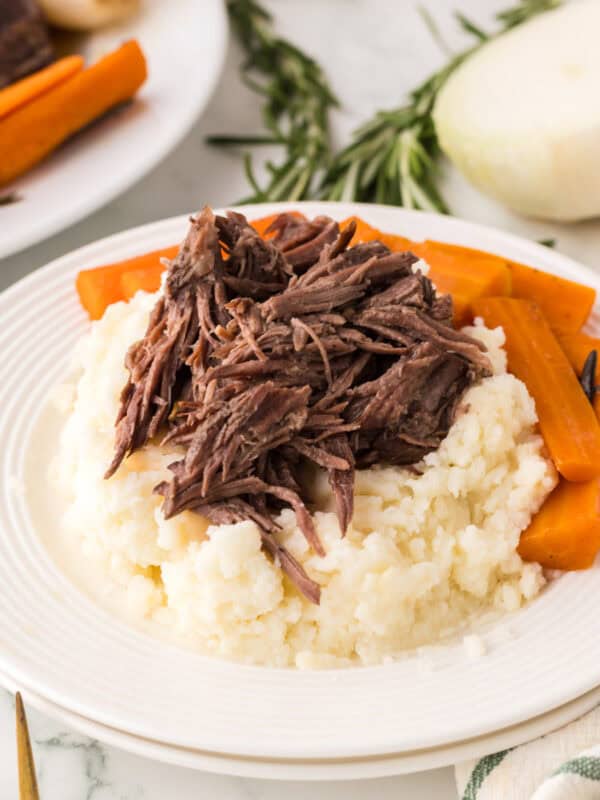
(521, 118)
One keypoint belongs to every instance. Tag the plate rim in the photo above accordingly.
(404, 763)
(158, 232)
(564, 264)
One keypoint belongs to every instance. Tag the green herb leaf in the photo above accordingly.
(524, 11)
(547, 242)
(296, 104)
(470, 27)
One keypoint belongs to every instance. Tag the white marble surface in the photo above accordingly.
(373, 51)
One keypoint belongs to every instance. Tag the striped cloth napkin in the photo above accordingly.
(564, 765)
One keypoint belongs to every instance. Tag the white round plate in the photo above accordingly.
(318, 770)
(185, 43)
(58, 644)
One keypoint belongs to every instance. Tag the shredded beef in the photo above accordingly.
(25, 44)
(265, 356)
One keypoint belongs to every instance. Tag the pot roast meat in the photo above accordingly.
(262, 357)
(180, 328)
(301, 240)
(24, 41)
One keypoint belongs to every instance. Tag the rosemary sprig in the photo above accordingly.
(393, 157)
(525, 10)
(297, 100)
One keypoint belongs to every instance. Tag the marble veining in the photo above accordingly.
(75, 767)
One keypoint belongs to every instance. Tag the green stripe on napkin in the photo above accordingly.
(484, 767)
(584, 766)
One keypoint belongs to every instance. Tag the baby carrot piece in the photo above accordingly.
(31, 132)
(396, 243)
(28, 89)
(566, 304)
(565, 533)
(141, 280)
(466, 280)
(491, 272)
(567, 420)
(101, 286)
(578, 346)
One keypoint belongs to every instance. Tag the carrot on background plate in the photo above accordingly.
(567, 420)
(28, 89)
(101, 286)
(565, 533)
(34, 130)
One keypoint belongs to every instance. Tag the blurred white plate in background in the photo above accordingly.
(185, 43)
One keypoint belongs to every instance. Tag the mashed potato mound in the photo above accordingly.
(425, 556)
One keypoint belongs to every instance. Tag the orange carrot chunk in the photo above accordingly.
(567, 420)
(396, 243)
(466, 280)
(101, 286)
(481, 266)
(578, 346)
(33, 131)
(98, 288)
(565, 533)
(367, 233)
(141, 280)
(28, 89)
(566, 304)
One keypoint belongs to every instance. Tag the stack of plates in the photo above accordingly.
(76, 662)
